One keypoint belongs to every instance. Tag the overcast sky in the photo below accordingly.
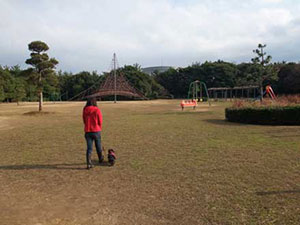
(83, 35)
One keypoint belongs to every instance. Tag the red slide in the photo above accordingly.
(270, 91)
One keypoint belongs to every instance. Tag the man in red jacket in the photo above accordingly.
(92, 119)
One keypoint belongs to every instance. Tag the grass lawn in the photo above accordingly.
(173, 167)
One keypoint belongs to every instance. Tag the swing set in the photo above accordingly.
(195, 94)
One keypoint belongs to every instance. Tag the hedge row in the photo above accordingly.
(279, 115)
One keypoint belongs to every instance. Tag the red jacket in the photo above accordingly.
(92, 119)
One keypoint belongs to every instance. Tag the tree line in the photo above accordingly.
(284, 78)
(41, 81)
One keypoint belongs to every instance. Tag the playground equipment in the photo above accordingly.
(195, 93)
(225, 93)
(270, 92)
(188, 103)
(248, 92)
(115, 84)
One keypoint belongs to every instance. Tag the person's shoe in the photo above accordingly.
(101, 159)
(89, 162)
(89, 166)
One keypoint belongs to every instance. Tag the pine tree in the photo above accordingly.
(262, 60)
(42, 66)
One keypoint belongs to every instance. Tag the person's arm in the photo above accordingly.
(83, 116)
(99, 118)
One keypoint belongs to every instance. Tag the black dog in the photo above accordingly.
(111, 156)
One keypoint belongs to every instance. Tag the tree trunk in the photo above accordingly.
(261, 93)
(40, 93)
(40, 101)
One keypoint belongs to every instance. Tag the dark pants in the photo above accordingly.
(90, 137)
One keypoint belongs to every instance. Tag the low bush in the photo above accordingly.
(269, 115)
(285, 100)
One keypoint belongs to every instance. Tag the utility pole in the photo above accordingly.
(115, 78)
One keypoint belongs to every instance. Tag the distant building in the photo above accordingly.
(151, 70)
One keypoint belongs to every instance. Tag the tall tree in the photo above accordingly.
(142, 81)
(42, 67)
(2, 84)
(289, 79)
(19, 89)
(7, 84)
(175, 81)
(2, 96)
(266, 70)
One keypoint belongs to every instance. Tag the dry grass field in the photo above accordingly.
(173, 167)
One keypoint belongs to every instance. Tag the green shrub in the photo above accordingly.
(277, 115)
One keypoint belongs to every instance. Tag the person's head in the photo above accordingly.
(91, 102)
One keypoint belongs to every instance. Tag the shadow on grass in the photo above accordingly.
(181, 113)
(224, 122)
(37, 113)
(278, 192)
(63, 166)
(177, 113)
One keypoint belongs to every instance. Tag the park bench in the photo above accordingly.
(188, 103)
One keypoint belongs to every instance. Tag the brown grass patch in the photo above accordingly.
(172, 168)
(4, 124)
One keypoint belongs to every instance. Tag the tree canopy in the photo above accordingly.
(42, 79)
(41, 74)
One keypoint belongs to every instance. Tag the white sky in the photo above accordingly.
(83, 35)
